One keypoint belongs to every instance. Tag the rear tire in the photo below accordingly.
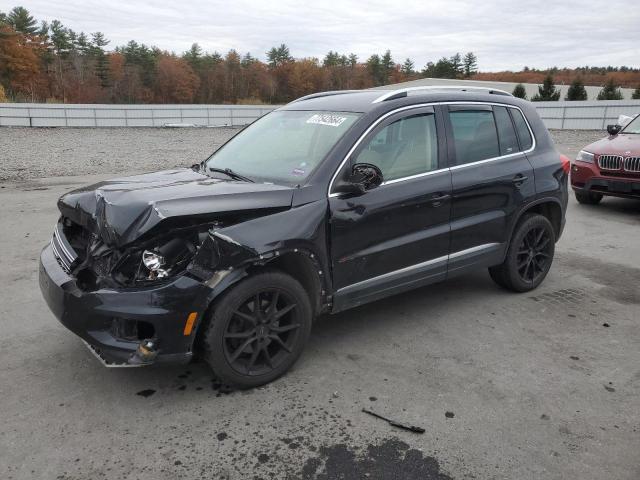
(588, 198)
(529, 255)
(257, 330)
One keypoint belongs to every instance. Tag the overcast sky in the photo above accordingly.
(503, 34)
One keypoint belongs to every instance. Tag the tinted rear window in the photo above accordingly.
(506, 133)
(523, 130)
(474, 134)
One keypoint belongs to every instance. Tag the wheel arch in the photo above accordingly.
(300, 264)
(549, 207)
(303, 266)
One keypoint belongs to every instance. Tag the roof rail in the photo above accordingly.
(323, 94)
(403, 92)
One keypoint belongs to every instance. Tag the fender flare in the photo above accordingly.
(524, 209)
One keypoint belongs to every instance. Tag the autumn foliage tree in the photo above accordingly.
(19, 63)
(51, 62)
(175, 81)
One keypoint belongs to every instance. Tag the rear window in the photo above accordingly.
(506, 133)
(474, 135)
(526, 142)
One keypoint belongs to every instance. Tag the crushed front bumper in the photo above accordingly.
(93, 316)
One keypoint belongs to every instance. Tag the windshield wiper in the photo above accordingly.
(230, 173)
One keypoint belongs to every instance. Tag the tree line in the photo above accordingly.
(50, 62)
(547, 92)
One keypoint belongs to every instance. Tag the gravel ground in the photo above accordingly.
(30, 153)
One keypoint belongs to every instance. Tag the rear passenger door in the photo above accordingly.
(491, 179)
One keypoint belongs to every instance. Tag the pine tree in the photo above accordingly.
(636, 94)
(248, 60)
(278, 56)
(386, 64)
(98, 42)
(427, 71)
(193, 56)
(456, 65)
(21, 21)
(576, 91)
(375, 69)
(519, 91)
(353, 60)
(445, 68)
(547, 92)
(407, 67)
(610, 91)
(332, 59)
(470, 64)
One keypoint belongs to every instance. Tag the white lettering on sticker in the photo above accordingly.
(326, 119)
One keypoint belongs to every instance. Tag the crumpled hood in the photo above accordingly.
(621, 144)
(123, 209)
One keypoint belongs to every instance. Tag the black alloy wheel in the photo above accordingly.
(257, 329)
(534, 254)
(262, 332)
(529, 255)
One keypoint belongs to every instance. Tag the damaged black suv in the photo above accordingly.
(332, 201)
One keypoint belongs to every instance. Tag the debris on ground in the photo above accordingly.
(395, 423)
(146, 393)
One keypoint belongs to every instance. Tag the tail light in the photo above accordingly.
(566, 163)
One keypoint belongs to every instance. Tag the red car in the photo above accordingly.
(610, 166)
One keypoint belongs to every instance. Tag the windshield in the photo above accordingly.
(283, 146)
(633, 126)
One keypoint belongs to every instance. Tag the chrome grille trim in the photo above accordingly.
(61, 250)
(632, 164)
(610, 162)
(61, 261)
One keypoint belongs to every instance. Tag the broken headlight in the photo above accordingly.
(166, 259)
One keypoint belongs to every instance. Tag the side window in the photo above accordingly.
(526, 142)
(406, 147)
(506, 133)
(474, 135)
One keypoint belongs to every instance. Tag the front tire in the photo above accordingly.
(257, 330)
(529, 256)
(588, 198)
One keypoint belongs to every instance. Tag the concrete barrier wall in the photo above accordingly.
(590, 115)
(75, 115)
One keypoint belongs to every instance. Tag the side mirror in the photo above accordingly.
(363, 177)
(614, 129)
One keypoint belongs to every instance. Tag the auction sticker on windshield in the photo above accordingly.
(326, 119)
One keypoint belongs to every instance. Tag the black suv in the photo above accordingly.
(332, 201)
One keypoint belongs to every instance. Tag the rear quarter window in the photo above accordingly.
(526, 141)
(506, 133)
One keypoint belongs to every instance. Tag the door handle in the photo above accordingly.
(519, 179)
(437, 198)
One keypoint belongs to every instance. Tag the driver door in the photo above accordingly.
(395, 236)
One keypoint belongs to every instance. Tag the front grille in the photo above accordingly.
(610, 162)
(632, 164)
(65, 255)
